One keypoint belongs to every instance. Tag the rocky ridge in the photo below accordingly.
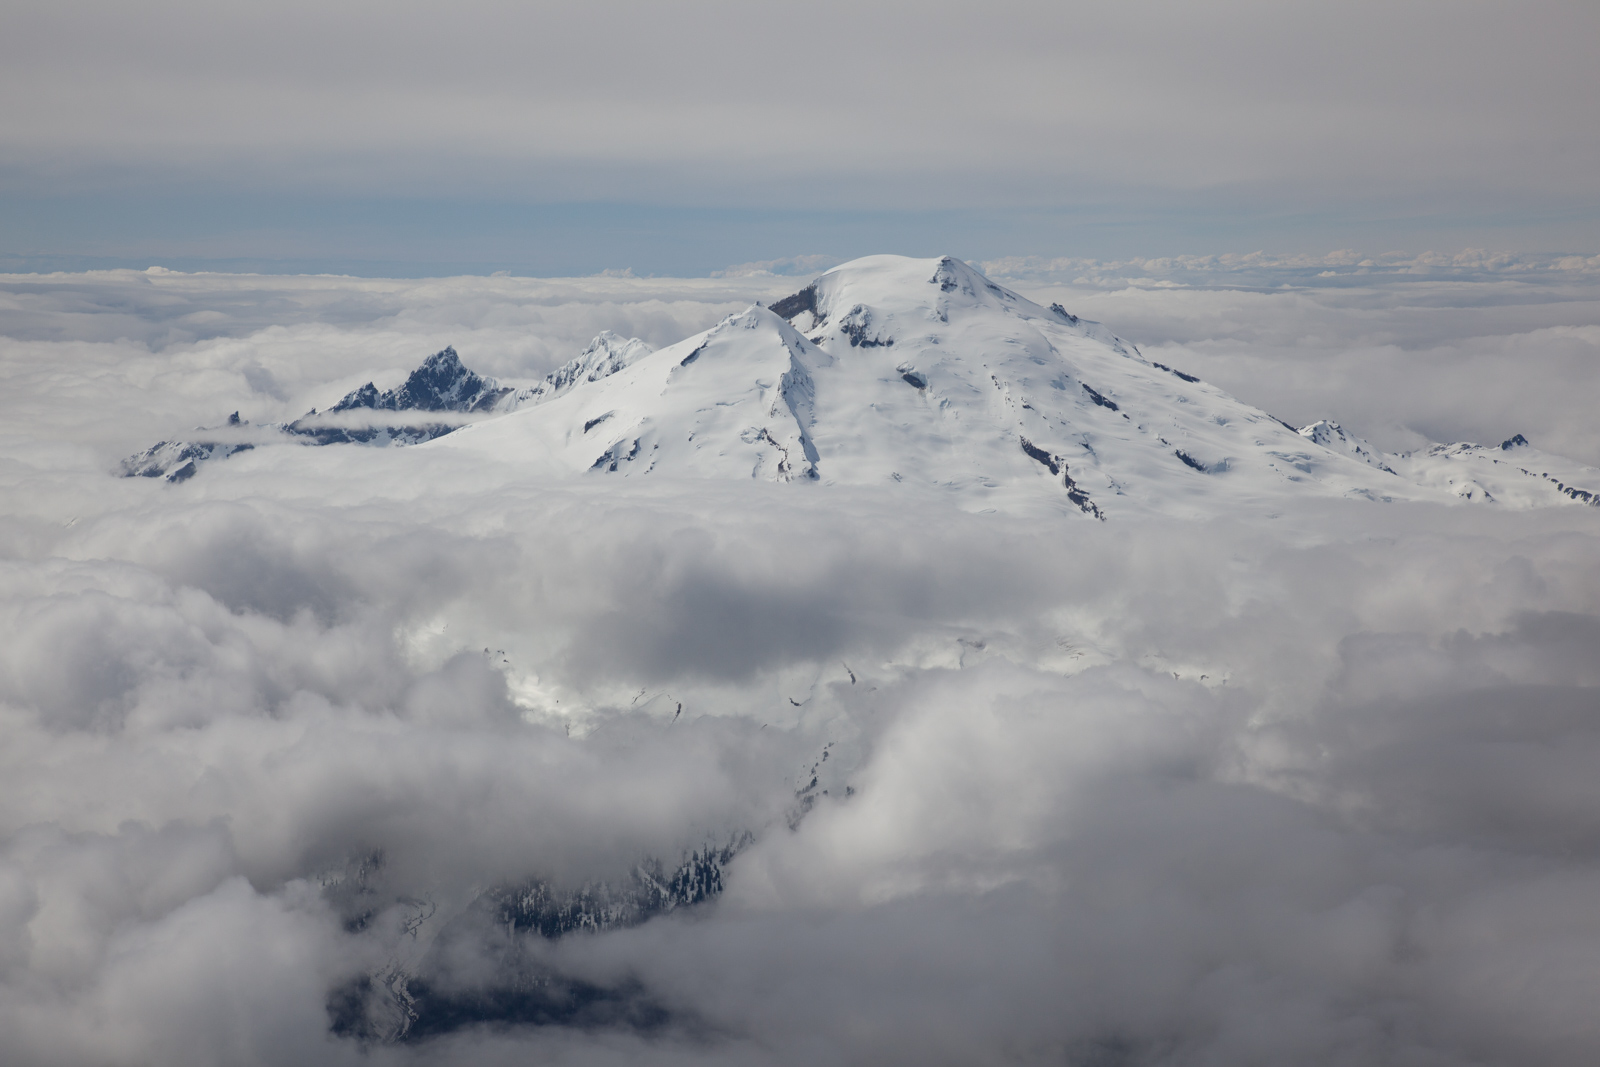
(441, 386)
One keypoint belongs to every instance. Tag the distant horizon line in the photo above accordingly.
(1339, 262)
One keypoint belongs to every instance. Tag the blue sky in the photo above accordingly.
(681, 138)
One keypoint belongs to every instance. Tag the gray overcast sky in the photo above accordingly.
(684, 136)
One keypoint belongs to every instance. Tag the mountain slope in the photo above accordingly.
(1513, 473)
(922, 374)
(429, 404)
(606, 355)
(916, 376)
(441, 383)
(734, 401)
(972, 386)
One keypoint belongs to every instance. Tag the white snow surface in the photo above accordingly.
(1513, 473)
(606, 355)
(923, 375)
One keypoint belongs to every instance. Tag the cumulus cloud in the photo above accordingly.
(284, 742)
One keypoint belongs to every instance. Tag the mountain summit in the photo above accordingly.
(925, 374)
(913, 375)
(442, 383)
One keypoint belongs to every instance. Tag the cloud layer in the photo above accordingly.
(1311, 790)
(1401, 349)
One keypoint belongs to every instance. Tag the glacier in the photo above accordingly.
(912, 375)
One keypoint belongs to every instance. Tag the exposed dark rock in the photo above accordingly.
(1067, 316)
(1058, 466)
(372, 435)
(441, 383)
(1076, 494)
(611, 457)
(485, 966)
(857, 326)
(946, 277)
(1040, 455)
(790, 306)
(1098, 399)
(542, 1000)
(365, 397)
(650, 890)
(1173, 370)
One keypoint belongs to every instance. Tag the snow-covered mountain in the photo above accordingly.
(415, 412)
(442, 383)
(606, 355)
(399, 1001)
(914, 376)
(901, 372)
(1512, 473)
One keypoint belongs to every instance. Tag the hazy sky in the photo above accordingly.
(681, 137)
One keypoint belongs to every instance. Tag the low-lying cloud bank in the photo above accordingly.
(1402, 349)
(285, 742)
